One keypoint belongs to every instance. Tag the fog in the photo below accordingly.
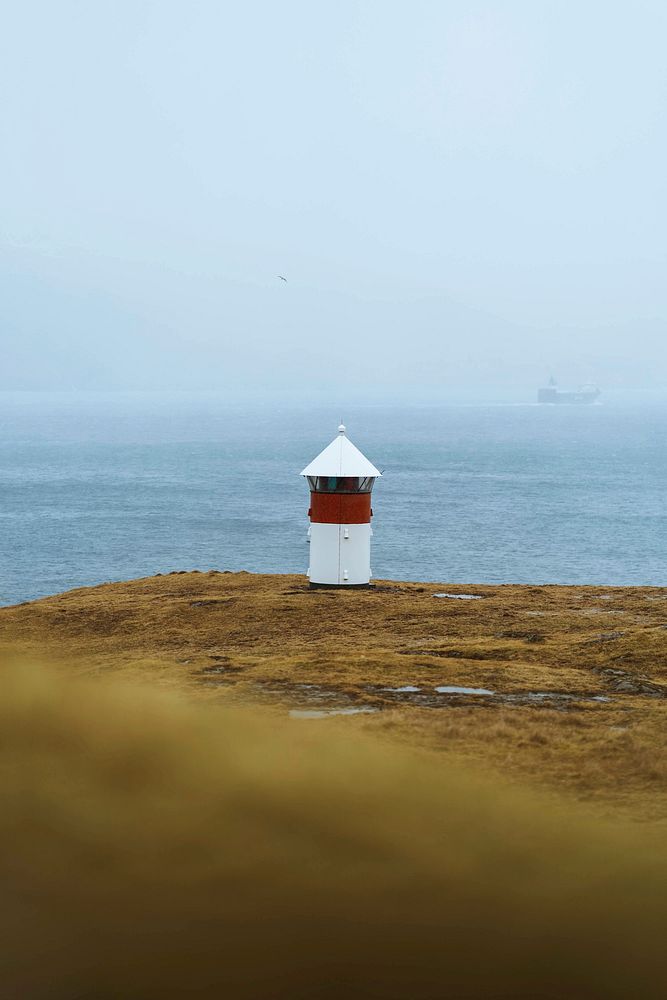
(464, 197)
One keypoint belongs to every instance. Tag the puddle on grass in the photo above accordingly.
(554, 696)
(313, 701)
(451, 689)
(302, 713)
(461, 597)
(443, 694)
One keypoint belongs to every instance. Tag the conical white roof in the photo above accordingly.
(341, 458)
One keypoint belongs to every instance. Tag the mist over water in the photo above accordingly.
(97, 487)
(462, 194)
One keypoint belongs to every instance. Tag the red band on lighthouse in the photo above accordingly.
(340, 508)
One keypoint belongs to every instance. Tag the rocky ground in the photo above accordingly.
(561, 687)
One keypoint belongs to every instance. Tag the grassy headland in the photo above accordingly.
(577, 675)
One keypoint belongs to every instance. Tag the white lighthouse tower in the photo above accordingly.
(340, 481)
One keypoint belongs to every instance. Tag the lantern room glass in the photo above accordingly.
(341, 484)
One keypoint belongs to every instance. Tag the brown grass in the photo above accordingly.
(151, 846)
(242, 638)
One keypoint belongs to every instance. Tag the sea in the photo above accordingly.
(97, 487)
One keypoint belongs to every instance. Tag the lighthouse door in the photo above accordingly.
(354, 553)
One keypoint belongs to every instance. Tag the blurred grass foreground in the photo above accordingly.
(152, 847)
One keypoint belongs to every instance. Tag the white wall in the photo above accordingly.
(340, 553)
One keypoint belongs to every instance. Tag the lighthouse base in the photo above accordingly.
(341, 586)
(340, 554)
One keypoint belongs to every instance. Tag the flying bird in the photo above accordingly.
(281, 277)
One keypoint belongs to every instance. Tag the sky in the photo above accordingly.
(465, 197)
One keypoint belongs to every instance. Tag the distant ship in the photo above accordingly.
(587, 393)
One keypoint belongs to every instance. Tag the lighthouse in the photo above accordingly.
(340, 480)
